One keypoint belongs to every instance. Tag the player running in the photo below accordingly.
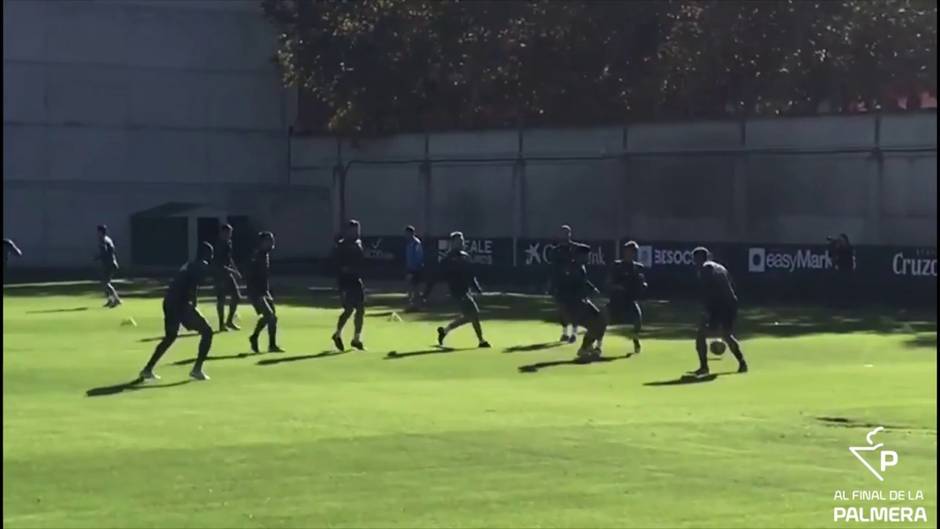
(179, 308)
(107, 256)
(259, 293)
(721, 309)
(562, 257)
(348, 257)
(455, 269)
(225, 284)
(627, 284)
(414, 267)
(573, 290)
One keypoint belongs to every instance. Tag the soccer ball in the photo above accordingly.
(717, 347)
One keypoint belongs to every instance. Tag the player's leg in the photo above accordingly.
(258, 303)
(171, 327)
(701, 347)
(359, 303)
(637, 314)
(231, 287)
(727, 325)
(471, 312)
(348, 309)
(197, 322)
(109, 291)
(220, 302)
(563, 319)
(269, 313)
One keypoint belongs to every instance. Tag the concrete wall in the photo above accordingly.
(774, 180)
(111, 107)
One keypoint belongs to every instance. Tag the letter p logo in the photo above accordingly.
(889, 458)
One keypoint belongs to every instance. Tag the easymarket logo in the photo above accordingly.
(760, 260)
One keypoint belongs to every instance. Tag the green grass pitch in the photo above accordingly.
(514, 436)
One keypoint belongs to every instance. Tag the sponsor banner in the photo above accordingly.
(917, 263)
(384, 249)
(539, 252)
(789, 259)
(496, 252)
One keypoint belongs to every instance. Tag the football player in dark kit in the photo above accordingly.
(225, 285)
(574, 287)
(562, 257)
(455, 268)
(721, 309)
(107, 256)
(348, 257)
(259, 293)
(627, 285)
(179, 308)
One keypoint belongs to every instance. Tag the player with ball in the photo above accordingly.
(721, 310)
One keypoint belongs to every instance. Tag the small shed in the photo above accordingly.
(168, 235)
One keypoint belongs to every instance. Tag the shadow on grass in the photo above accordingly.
(538, 366)
(178, 336)
(922, 340)
(395, 355)
(533, 347)
(213, 358)
(844, 422)
(51, 311)
(133, 385)
(298, 358)
(689, 378)
(663, 319)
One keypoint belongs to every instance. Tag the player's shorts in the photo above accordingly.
(467, 305)
(263, 305)
(107, 273)
(176, 314)
(352, 294)
(623, 310)
(582, 312)
(415, 277)
(720, 318)
(225, 285)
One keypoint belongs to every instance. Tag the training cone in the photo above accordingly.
(394, 317)
(128, 322)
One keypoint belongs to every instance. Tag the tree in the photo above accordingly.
(390, 65)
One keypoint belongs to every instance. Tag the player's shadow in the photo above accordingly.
(158, 338)
(50, 311)
(533, 347)
(395, 355)
(538, 366)
(188, 361)
(689, 378)
(133, 385)
(298, 358)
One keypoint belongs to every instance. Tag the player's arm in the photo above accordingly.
(13, 247)
(476, 285)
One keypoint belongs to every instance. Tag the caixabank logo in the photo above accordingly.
(760, 259)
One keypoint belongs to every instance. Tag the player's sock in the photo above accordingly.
(441, 334)
(338, 341)
(636, 345)
(253, 340)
